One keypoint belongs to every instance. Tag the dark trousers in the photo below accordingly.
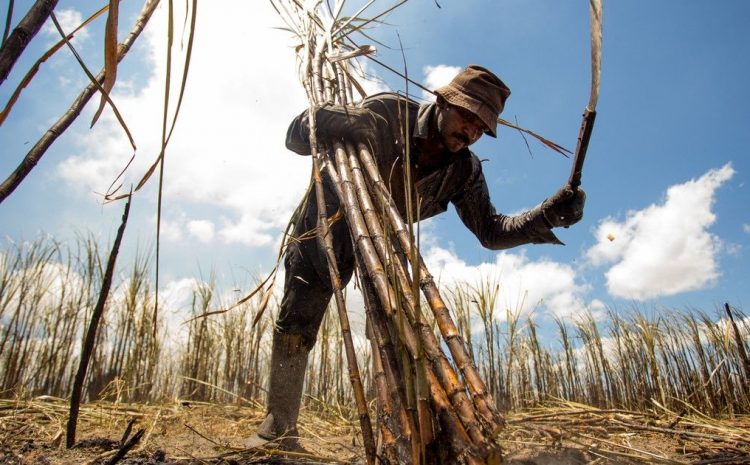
(307, 284)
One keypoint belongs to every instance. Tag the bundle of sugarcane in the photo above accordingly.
(427, 412)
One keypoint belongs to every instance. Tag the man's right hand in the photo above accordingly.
(349, 123)
(565, 208)
(335, 122)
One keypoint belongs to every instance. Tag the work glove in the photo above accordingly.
(565, 207)
(335, 123)
(348, 123)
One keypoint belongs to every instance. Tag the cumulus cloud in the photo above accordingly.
(172, 231)
(69, 19)
(175, 301)
(47, 280)
(665, 248)
(227, 152)
(526, 285)
(203, 230)
(437, 76)
(746, 228)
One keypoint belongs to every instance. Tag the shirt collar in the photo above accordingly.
(424, 117)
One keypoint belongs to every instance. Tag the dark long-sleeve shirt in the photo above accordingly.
(392, 122)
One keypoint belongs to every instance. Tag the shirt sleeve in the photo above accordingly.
(298, 135)
(495, 230)
(334, 122)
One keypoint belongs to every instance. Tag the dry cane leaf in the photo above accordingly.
(110, 56)
(32, 72)
(264, 302)
(359, 51)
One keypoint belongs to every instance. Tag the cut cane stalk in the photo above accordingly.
(340, 84)
(326, 243)
(408, 443)
(418, 405)
(455, 391)
(381, 241)
(480, 395)
(354, 377)
(445, 373)
(368, 256)
(385, 407)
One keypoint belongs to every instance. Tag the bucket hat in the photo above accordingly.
(479, 91)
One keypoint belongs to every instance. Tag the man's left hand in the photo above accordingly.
(565, 207)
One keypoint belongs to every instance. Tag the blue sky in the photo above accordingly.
(666, 172)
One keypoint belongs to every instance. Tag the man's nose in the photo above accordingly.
(474, 133)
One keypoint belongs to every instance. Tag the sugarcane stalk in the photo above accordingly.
(479, 393)
(380, 242)
(459, 440)
(466, 438)
(447, 376)
(385, 406)
(344, 86)
(398, 274)
(340, 85)
(374, 269)
(317, 78)
(482, 398)
(327, 76)
(460, 443)
(422, 388)
(326, 242)
(361, 236)
(406, 423)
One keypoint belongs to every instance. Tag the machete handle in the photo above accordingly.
(584, 135)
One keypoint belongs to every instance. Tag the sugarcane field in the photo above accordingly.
(374, 232)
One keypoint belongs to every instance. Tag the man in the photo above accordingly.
(444, 170)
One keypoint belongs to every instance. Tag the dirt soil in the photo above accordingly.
(33, 432)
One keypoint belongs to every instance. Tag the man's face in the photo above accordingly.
(458, 128)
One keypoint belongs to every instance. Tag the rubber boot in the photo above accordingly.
(288, 365)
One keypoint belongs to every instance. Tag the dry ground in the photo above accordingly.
(32, 432)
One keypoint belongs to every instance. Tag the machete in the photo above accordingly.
(589, 113)
(584, 135)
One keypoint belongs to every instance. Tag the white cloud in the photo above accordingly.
(665, 248)
(203, 230)
(371, 83)
(171, 230)
(598, 309)
(437, 76)
(47, 281)
(69, 19)
(179, 226)
(227, 151)
(175, 300)
(746, 228)
(355, 307)
(251, 230)
(732, 249)
(525, 285)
